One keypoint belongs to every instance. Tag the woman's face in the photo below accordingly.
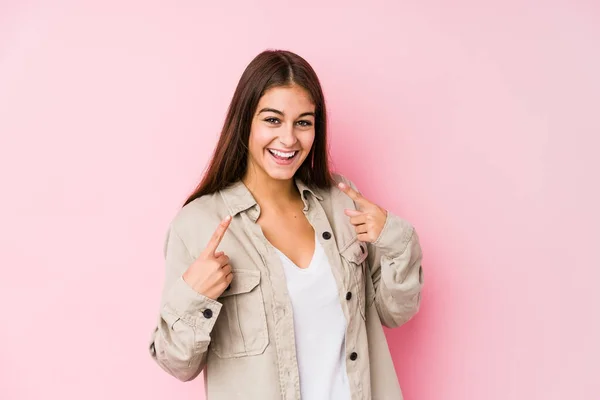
(282, 132)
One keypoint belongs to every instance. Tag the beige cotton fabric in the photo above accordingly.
(244, 341)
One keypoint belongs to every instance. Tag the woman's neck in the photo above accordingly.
(272, 193)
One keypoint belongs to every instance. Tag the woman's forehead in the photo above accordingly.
(287, 98)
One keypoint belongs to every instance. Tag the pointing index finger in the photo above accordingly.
(353, 194)
(217, 236)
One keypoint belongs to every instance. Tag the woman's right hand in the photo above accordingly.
(211, 273)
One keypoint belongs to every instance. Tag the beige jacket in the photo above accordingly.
(245, 343)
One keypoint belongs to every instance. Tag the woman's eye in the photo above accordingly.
(272, 120)
(304, 123)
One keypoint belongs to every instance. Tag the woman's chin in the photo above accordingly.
(281, 175)
(280, 172)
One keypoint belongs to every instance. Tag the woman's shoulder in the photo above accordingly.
(337, 178)
(333, 195)
(340, 178)
(202, 213)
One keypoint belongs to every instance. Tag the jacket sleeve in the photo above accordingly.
(396, 271)
(179, 342)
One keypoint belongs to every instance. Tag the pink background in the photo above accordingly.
(477, 121)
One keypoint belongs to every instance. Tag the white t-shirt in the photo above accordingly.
(319, 327)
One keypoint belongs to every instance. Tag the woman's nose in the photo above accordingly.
(287, 137)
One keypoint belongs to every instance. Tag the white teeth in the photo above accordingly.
(282, 154)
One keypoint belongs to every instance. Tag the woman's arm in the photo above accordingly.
(395, 262)
(394, 258)
(180, 340)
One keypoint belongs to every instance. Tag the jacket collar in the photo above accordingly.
(238, 198)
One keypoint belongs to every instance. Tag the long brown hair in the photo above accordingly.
(230, 158)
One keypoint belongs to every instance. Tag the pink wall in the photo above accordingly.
(479, 119)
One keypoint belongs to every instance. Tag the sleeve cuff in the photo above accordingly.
(190, 306)
(395, 236)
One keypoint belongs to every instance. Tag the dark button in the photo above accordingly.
(326, 235)
(353, 356)
(348, 295)
(207, 313)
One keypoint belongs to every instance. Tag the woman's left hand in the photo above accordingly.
(368, 220)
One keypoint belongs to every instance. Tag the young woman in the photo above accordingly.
(280, 274)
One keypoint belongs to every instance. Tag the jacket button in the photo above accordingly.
(348, 295)
(207, 313)
(353, 356)
(326, 235)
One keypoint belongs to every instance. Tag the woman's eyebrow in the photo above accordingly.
(271, 110)
(283, 114)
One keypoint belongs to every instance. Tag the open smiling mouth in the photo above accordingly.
(283, 157)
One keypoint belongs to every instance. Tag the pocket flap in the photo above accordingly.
(355, 252)
(244, 280)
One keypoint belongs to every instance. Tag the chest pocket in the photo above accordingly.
(355, 256)
(241, 327)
